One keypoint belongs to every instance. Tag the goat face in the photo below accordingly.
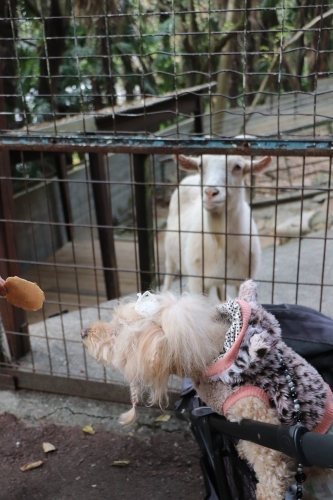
(220, 176)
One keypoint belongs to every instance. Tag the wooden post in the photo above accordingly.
(144, 220)
(14, 319)
(104, 220)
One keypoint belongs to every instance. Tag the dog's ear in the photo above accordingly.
(221, 315)
(248, 291)
(156, 353)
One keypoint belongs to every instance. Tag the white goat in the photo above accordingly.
(205, 208)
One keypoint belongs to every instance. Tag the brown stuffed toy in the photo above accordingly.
(24, 294)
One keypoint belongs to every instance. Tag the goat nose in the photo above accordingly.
(211, 192)
(84, 333)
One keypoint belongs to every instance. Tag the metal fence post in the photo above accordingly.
(14, 319)
(105, 224)
(144, 220)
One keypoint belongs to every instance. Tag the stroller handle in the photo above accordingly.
(296, 441)
(318, 449)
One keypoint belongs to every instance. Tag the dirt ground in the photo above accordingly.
(162, 466)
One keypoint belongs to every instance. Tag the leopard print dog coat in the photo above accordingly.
(251, 367)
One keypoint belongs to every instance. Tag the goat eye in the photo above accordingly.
(237, 169)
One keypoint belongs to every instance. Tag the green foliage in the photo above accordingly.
(75, 87)
(37, 169)
(156, 50)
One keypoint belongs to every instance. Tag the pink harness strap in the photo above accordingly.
(327, 419)
(244, 392)
(251, 390)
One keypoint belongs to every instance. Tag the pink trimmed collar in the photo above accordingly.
(228, 359)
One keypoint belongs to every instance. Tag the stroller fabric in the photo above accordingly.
(309, 333)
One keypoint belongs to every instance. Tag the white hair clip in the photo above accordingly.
(147, 304)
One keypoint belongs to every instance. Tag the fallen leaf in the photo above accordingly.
(121, 463)
(163, 418)
(48, 447)
(88, 429)
(77, 478)
(31, 465)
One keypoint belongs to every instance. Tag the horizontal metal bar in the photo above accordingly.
(138, 229)
(117, 393)
(302, 192)
(7, 382)
(134, 271)
(158, 13)
(157, 145)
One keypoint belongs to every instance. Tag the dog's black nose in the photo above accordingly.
(84, 333)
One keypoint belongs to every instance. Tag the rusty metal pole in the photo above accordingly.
(105, 224)
(144, 220)
(13, 318)
(61, 168)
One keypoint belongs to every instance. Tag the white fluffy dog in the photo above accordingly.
(239, 365)
(158, 336)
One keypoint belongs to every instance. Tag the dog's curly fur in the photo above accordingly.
(177, 340)
(183, 337)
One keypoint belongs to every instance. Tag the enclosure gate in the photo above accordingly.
(86, 178)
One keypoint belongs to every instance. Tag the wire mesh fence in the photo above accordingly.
(259, 67)
(94, 102)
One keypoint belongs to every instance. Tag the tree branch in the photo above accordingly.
(32, 8)
(279, 54)
(219, 44)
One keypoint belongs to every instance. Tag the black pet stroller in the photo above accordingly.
(226, 476)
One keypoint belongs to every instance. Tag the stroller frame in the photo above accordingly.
(212, 431)
(216, 436)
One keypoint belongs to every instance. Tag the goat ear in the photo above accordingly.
(257, 165)
(187, 162)
(248, 291)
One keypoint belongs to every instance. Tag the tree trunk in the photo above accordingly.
(223, 79)
(105, 49)
(53, 49)
(8, 68)
(235, 77)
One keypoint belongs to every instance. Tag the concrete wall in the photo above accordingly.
(41, 230)
(40, 206)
